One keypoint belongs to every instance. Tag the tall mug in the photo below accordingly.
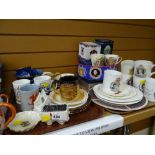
(143, 68)
(17, 85)
(29, 94)
(127, 67)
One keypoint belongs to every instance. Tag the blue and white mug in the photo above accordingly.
(29, 94)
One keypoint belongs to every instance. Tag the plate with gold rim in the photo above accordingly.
(81, 98)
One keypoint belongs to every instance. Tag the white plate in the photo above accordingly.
(31, 117)
(124, 90)
(130, 94)
(128, 101)
(58, 100)
(126, 108)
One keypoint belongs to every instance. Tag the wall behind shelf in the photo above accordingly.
(52, 45)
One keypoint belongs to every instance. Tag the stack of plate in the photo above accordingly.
(128, 99)
(78, 104)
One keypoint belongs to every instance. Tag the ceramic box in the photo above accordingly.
(86, 49)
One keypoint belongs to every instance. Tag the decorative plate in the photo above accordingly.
(124, 90)
(137, 106)
(128, 101)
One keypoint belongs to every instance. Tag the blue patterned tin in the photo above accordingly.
(93, 73)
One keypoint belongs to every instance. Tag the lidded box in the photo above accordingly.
(86, 49)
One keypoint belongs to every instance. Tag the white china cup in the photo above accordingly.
(17, 85)
(149, 89)
(143, 68)
(111, 81)
(97, 59)
(127, 67)
(139, 83)
(112, 59)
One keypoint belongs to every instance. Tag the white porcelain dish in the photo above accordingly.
(124, 90)
(24, 121)
(130, 94)
(127, 101)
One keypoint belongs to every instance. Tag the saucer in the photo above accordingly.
(131, 100)
(130, 93)
(80, 99)
(124, 90)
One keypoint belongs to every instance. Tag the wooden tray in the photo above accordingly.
(92, 112)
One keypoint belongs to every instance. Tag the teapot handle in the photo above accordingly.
(13, 112)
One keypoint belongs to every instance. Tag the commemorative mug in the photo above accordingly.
(143, 68)
(97, 59)
(44, 82)
(139, 83)
(68, 86)
(3, 124)
(17, 85)
(149, 89)
(127, 67)
(29, 94)
(112, 59)
(112, 81)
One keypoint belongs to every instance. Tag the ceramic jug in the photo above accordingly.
(3, 124)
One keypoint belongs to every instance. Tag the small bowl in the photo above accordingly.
(24, 121)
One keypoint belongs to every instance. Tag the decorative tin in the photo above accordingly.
(93, 73)
(86, 49)
(106, 45)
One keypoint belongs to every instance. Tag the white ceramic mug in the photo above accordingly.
(97, 59)
(44, 82)
(17, 85)
(139, 83)
(127, 79)
(143, 68)
(127, 67)
(149, 89)
(111, 81)
(112, 59)
(29, 94)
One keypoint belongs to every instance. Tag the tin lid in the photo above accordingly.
(89, 44)
(104, 41)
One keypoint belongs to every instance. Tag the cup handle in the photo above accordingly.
(13, 112)
(5, 96)
(119, 60)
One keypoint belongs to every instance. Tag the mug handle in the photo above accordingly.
(153, 66)
(48, 73)
(13, 112)
(152, 73)
(5, 96)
